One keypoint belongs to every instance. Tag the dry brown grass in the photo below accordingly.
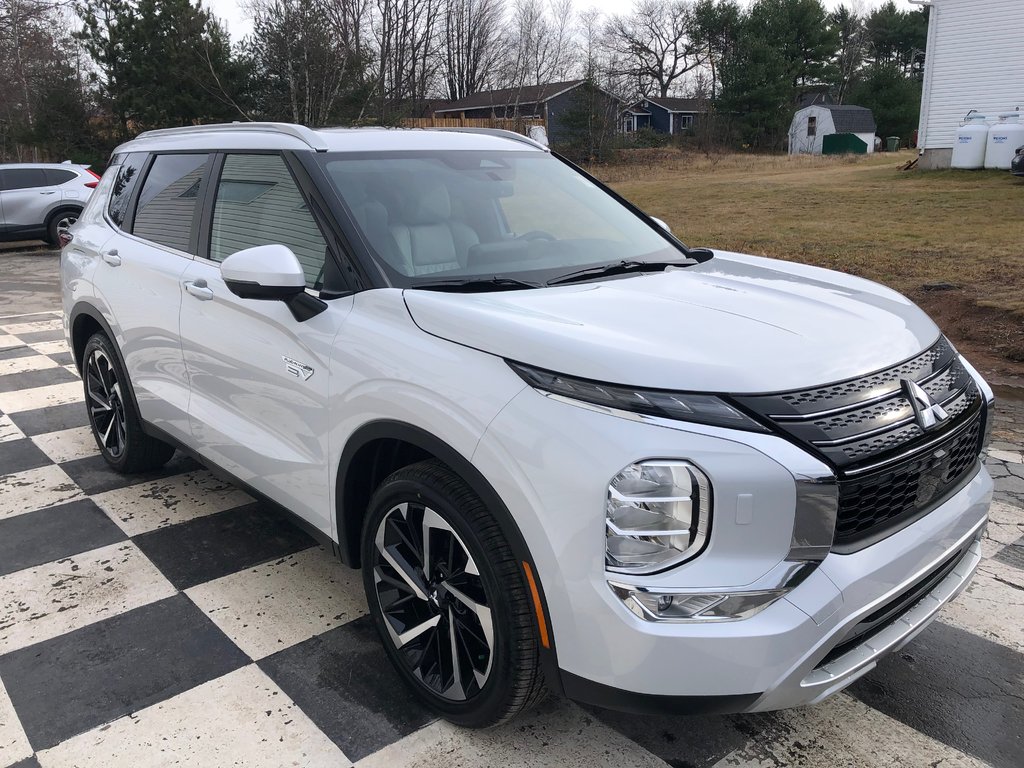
(861, 215)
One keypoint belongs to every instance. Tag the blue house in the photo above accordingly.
(663, 114)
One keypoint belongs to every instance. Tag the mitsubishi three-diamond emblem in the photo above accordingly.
(927, 412)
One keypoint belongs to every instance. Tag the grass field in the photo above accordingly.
(951, 240)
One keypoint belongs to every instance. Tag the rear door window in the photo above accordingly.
(124, 185)
(22, 178)
(169, 200)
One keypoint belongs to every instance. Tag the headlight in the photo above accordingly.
(658, 514)
(681, 406)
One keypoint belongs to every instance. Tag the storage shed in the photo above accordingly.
(812, 124)
(975, 60)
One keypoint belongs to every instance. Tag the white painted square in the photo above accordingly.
(9, 342)
(68, 444)
(23, 364)
(55, 598)
(14, 744)
(992, 606)
(50, 347)
(240, 719)
(159, 503)
(8, 430)
(41, 397)
(278, 604)
(35, 489)
(45, 323)
(557, 735)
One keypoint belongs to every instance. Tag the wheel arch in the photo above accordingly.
(83, 322)
(361, 470)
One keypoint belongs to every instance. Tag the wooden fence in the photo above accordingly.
(517, 124)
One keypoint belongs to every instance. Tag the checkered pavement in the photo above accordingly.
(168, 619)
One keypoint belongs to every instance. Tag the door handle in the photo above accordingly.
(198, 289)
(51, 192)
(112, 258)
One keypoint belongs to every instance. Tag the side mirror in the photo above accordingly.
(661, 224)
(270, 273)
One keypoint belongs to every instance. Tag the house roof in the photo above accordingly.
(528, 94)
(851, 119)
(672, 104)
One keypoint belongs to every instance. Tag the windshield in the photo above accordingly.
(440, 216)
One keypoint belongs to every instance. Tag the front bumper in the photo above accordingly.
(549, 462)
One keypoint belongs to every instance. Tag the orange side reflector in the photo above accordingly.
(541, 624)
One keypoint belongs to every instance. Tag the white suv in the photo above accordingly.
(42, 200)
(568, 452)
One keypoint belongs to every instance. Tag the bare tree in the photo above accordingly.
(471, 45)
(654, 44)
(541, 43)
(406, 33)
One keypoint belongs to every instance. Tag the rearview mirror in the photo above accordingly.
(661, 224)
(270, 273)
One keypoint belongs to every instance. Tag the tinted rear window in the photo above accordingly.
(125, 183)
(169, 200)
(22, 178)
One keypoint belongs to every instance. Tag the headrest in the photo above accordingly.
(425, 202)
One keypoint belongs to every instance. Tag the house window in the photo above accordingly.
(812, 125)
(685, 122)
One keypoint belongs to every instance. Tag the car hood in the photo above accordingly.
(735, 324)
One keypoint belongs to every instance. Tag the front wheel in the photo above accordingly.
(60, 222)
(449, 598)
(115, 422)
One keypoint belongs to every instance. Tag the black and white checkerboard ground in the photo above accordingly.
(167, 619)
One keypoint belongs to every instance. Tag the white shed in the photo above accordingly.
(974, 60)
(812, 124)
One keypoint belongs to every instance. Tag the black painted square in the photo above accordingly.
(13, 353)
(62, 358)
(345, 684)
(956, 687)
(51, 419)
(44, 377)
(209, 547)
(93, 475)
(50, 534)
(28, 762)
(36, 317)
(75, 682)
(33, 337)
(19, 455)
(1012, 554)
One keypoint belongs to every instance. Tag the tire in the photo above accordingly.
(499, 672)
(58, 221)
(113, 418)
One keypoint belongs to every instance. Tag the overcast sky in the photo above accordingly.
(239, 24)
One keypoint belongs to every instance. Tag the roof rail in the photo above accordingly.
(499, 132)
(306, 135)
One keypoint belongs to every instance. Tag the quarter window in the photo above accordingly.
(125, 183)
(259, 203)
(55, 177)
(168, 201)
(22, 178)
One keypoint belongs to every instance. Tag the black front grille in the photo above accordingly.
(876, 502)
(890, 470)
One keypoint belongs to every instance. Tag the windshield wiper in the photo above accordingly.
(477, 284)
(619, 268)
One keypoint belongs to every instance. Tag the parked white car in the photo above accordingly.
(38, 201)
(568, 452)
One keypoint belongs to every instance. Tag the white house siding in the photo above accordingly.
(975, 60)
(802, 144)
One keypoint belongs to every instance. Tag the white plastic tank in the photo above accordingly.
(1003, 139)
(971, 140)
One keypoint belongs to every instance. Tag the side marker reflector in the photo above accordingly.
(542, 625)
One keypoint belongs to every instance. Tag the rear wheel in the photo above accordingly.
(112, 415)
(60, 222)
(449, 599)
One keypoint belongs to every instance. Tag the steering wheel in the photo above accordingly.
(536, 234)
